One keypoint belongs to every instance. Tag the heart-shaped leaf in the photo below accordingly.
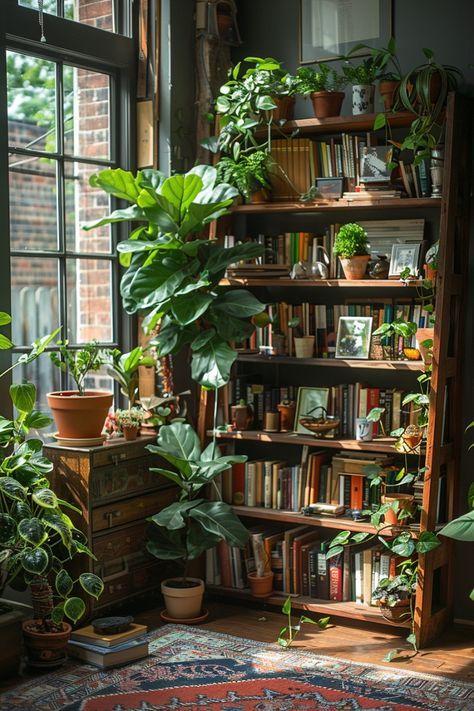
(74, 608)
(92, 584)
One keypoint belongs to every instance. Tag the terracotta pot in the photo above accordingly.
(224, 23)
(130, 433)
(257, 197)
(80, 416)
(261, 585)
(183, 602)
(287, 416)
(430, 273)
(241, 417)
(425, 334)
(304, 347)
(285, 109)
(405, 501)
(327, 103)
(396, 614)
(388, 89)
(355, 267)
(45, 649)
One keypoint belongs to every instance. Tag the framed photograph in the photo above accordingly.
(330, 187)
(353, 337)
(404, 256)
(329, 29)
(309, 399)
(373, 164)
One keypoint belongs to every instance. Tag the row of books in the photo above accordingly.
(317, 478)
(347, 401)
(298, 560)
(322, 321)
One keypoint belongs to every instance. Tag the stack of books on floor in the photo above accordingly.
(106, 651)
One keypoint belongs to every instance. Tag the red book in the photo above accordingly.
(335, 578)
(357, 489)
(373, 400)
(238, 483)
(225, 564)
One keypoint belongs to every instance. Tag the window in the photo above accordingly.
(101, 14)
(68, 117)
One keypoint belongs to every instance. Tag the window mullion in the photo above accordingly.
(61, 213)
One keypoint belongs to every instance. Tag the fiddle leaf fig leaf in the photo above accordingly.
(211, 364)
(216, 517)
(461, 529)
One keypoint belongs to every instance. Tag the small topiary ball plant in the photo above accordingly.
(351, 241)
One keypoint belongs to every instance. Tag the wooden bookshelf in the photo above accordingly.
(340, 124)
(340, 206)
(351, 610)
(372, 284)
(399, 365)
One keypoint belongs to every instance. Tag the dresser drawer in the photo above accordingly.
(119, 513)
(120, 543)
(128, 477)
(131, 583)
(116, 453)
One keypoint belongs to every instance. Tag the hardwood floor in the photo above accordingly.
(452, 656)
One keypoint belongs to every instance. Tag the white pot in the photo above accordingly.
(363, 99)
(304, 347)
(183, 603)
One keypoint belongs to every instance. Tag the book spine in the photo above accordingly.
(335, 578)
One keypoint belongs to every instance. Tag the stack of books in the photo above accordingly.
(106, 651)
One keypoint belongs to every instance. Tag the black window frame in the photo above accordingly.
(70, 42)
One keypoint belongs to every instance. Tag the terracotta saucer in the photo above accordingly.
(85, 442)
(188, 621)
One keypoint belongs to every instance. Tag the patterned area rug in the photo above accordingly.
(193, 669)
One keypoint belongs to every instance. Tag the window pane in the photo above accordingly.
(33, 203)
(85, 204)
(96, 13)
(35, 310)
(49, 6)
(31, 86)
(89, 300)
(86, 113)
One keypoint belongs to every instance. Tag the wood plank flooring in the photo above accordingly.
(453, 655)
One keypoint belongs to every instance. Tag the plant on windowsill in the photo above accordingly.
(172, 277)
(80, 413)
(352, 247)
(37, 537)
(324, 87)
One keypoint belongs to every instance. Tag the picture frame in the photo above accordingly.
(403, 256)
(308, 400)
(353, 337)
(330, 188)
(330, 29)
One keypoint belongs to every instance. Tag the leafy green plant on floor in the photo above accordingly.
(288, 634)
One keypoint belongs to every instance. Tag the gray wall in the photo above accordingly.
(270, 28)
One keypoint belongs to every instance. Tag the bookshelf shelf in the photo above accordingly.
(351, 610)
(340, 206)
(339, 523)
(400, 365)
(383, 445)
(337, 124)
(286, 282)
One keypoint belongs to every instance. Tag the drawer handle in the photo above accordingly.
(110, 515)
(116, 458)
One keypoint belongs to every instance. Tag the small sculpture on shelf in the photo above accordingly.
(241, 416)
(380, 268)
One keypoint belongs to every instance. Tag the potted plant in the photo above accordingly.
(191, 525)
(124, 369)
(394, 596)
(431, 262)
(37, 537)
(389, 71)
(351, 246)
(246, 171)
(129, 422)
(402, 332)
(80, 413)
(279, 84)
(362, 77)
(324, 88)
(304, 345)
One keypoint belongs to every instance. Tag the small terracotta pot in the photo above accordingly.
(261, 585)
(80, 416)
(405, 501)
(355, 267)
(183, 602)
(257, 197)
(388, 89)
(430, 273)
(425, 334)
(285, 109)
(224, 23)
(327, 103)
(287, 416)
(396, 614)
(45, 649)
(130, 433)
(304, 347)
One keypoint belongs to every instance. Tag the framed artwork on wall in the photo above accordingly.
(329, 29)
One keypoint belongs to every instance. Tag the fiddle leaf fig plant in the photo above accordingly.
(172, 276)
(124, 368)
(191, 525)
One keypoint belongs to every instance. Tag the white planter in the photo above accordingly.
(304, 347)
(363, 99)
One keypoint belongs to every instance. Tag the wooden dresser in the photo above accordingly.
(116, 492)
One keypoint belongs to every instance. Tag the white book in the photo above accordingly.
(358, 567)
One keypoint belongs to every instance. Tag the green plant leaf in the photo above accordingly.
(221, 257)
(129, 214)
(187, 309)
(390, 656)
(403, 548)
(427, 541)
(341, 537)
(333, 552)
(179, 440)
(411, 639)
(57, 614)
(211, 364)
(286, 609)
(12, 488)
(45, 498)
(5, 318)
(181, 190)
(63, 583)
(34, 560)
(32, 531)
(379, 122)
(59, 522)
(92, 584)
(323, 622)
(217, 518)
(23, 396)
(174, 517)
(461, 528)
(359, 537)
(8, 529)
(74, 608)
(239, 303)
(166, 545)
(5, 343)
(375, 414)
(37, 420)
(118, 182)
